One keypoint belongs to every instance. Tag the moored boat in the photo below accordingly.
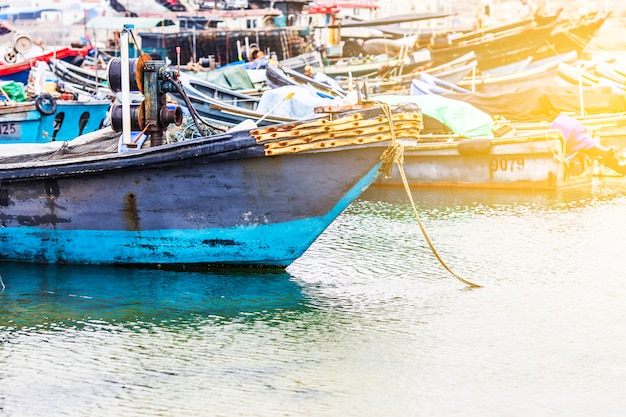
(19, 71)
(47, 119)
(514, 77)
(464, 147)
(39, 113)
(235, 198)
(532, 160)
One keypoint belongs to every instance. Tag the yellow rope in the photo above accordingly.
(395, 154)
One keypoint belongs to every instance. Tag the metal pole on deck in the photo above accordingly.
(195, 58)
(125, 74)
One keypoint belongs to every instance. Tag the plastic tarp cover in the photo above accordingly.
(545, 103)
(461, 118)
(14, 90)
(234, 77)
(301, 105)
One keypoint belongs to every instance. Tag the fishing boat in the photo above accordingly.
(497, 49)
(461, 146)
(533, 160)
(80, 78)
(47, 114)
(48, 119)
(544, 103)
(377, 65)
(224, 106)
(450, 72)
(221, 105)
(19, 70)
(248, 197)
(607, 128)
(571, 75)
(573, 34)
(518, 75)
(610, 71)
(280, 76)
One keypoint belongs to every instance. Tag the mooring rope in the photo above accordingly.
(395, 154)
(2, 284)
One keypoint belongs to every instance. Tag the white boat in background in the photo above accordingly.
(519, 75)
(532, 160)
(461, 146)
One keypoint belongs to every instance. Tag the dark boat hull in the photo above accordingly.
(211, 201)
(505, 48)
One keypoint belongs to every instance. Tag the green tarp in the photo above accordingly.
(462, 118)
(14, 90)
(234, 77)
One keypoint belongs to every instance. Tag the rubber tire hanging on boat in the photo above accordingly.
(46, 104)
(478, 146)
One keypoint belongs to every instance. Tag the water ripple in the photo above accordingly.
(366, 323)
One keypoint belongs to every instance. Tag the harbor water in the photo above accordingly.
(367, 323)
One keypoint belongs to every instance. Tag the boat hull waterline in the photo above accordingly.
(219, 203)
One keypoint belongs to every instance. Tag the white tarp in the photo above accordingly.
(301, 105)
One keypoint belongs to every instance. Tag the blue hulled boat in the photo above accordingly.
(256, 196)
(48, 119)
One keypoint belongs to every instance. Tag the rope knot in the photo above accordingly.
(392, 155)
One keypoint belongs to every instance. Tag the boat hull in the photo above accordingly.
(19, 71)
(23, 123)
(531, 162)
(214, 203)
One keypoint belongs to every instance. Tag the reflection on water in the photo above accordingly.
(366, 323)
(42, 295)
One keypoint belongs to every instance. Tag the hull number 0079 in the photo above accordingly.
(506, 164)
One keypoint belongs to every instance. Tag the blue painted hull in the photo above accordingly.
(216, 200)
(25, 124)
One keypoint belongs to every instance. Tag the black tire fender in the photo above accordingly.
(46, 104)
(477, 146)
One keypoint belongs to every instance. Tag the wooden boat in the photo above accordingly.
(532, 160)
(88, 80)
(451, 72)
(379, 65)
(544, 103)
(467, 149)
(221, 105)
(236, 198)
(249, 77)
(19, 71)
(484, 32)
(279, 76)
(233, 77)
(226, 107)
(498, 49)
(519, 75)
(454, 71)
(609, 71)
(571, 75)
(607, 128)
(572, 34)
(47, 118)
(428, 84)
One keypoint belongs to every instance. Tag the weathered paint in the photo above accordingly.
(276, 244)
(214, 202)
(71, 119)
(524, 162)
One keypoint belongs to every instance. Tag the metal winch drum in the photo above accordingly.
(22, 43)
(135, 71)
